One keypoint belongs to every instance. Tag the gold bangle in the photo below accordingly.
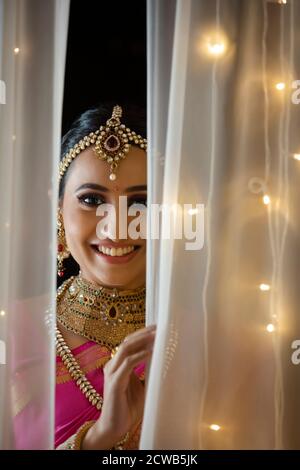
(79, 436)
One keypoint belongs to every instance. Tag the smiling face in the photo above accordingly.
(111, 262)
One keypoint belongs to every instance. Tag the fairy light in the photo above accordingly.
(264, 287)
(16, 50)
(213, 43)
(270, 328)
(266, 199)
(296, 156)
(2, 313)
(215, 427)
(217, 48)
(280, 86)
(192, 211)
(282, 2)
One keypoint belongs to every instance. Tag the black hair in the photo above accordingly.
(133, 116)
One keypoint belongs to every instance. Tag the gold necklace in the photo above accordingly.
(100, 314)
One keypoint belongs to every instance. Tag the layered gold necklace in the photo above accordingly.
(101, 314)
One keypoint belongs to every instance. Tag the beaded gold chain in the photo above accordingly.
(76, 373)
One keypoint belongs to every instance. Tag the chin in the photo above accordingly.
(112, 280)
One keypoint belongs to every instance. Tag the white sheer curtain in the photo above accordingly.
(224, 132)
(33, 36)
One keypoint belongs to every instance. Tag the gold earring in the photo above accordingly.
(62, 249)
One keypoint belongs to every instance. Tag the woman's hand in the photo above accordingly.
(124, 394)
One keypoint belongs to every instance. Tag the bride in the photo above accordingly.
(103, 346)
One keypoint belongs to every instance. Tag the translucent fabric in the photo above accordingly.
(224, 132)
(33, 36)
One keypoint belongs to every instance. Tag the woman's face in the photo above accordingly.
(87, 187)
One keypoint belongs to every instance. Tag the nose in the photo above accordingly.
(113, 223)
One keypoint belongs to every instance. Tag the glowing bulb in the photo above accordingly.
(282, 2)
(216, 48)
(266, 199)
(16, 50)
(264, 287)
(280, 86)
(2, 313)
(296, 156)
(270, 327)
(215, 427)
(192, 211)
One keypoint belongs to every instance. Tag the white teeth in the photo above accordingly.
(120, 252)
(116, 251)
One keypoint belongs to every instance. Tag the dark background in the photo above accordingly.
(106, 55)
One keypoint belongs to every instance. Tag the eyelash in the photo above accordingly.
(131, 201)
(91, 197)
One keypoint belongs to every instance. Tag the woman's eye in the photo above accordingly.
(91, 200)
(138, 201)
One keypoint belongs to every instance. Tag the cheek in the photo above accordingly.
(80, 225)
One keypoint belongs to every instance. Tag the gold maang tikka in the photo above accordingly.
(111, 144)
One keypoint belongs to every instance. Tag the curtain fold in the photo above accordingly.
(32, 60)
(222, 374)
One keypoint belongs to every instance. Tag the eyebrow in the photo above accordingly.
(99, 187)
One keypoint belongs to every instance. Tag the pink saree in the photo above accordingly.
(72, 408)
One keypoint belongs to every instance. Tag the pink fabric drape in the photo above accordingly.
(72, 408)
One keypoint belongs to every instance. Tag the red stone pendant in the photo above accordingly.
(112, 143)
(112, 312)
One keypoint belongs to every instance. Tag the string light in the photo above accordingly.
(192, 211)
(265, 287)
(266, 199)
(213, 43)
(270, 328)
(16, 50)
(282, 2)
(2, 313)
(280, 86)
(215, 427)
(296, 156)
(217, 48)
